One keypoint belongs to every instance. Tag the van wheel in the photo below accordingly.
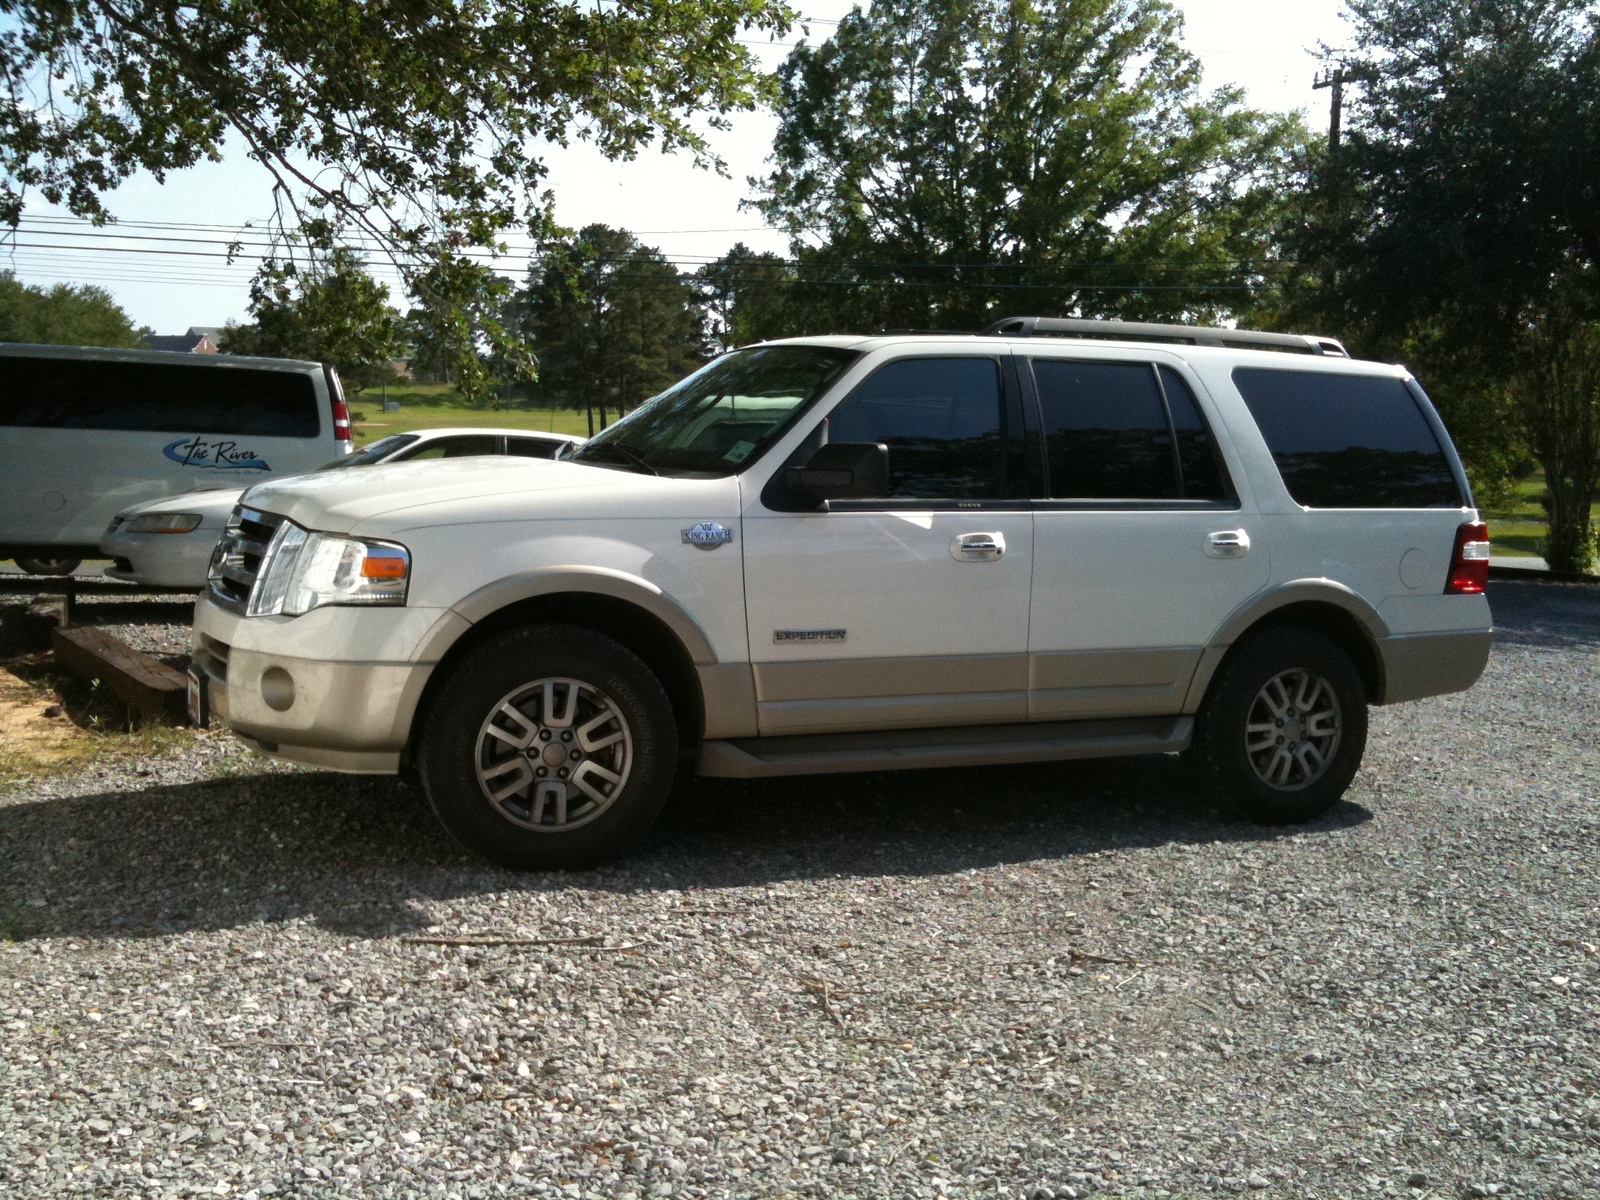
(49, 566)
(1283, 730)
(549, 746)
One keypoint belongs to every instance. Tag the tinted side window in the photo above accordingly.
(940, 418)
(533, 447)
(1348, 441)
(1105, 428)
(1197, 450)
(45, 393)
(454, 447)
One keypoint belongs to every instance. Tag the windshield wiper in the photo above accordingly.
(628, 453)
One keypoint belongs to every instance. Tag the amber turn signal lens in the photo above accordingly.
(381, 566)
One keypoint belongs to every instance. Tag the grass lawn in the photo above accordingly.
(1517, 531)
(437, 405)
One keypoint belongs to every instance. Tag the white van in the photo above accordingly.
(85, 432)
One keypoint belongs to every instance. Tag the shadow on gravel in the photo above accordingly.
(1546, 615)
(358, 854)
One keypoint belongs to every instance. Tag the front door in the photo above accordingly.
(1142, 548)
(911, 610)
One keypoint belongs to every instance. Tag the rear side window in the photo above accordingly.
(940, 418)
(1348, 441)
(46, 393)
(1105, 431)
(1108, 435)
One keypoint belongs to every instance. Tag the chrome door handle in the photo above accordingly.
(978, 547)
(1228, 543)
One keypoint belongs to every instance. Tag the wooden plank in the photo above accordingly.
(143, 683)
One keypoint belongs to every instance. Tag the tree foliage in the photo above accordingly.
(414, 127)
(62, 315)
(611, 321)
(944, 162)
(334, 312)
(1457, 226)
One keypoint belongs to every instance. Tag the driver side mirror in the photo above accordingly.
(843, 471)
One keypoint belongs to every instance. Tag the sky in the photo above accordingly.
(1267, 47)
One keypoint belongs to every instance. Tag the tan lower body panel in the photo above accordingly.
(845, 695)
(965, 746)
(1431, 664)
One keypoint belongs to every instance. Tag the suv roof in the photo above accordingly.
(1112, 331)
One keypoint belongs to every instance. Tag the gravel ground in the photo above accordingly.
(1055, 981)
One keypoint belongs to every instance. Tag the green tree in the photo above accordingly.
(62, 315)
(960, 160)
(413, 126)
(332, 312)
(746, 296)
(611, 321)
(1555, 386)
(1458, 213)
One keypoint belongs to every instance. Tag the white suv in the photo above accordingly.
(868, 553)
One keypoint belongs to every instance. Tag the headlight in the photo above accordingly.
(174, 522)
(302, 570)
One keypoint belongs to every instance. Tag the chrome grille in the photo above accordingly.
(237, 559)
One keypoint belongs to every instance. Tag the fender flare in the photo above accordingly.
(546, 581)
(1264, 604)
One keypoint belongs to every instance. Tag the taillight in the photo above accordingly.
(1469, 561)
(341, 420)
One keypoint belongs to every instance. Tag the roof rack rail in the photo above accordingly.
(1142, 331)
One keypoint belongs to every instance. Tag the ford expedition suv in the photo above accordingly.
(1058, 539)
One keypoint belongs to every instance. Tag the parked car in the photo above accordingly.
(1061, 539)
(168, 542)
(86, 432)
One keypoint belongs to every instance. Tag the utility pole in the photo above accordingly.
(1335, 80)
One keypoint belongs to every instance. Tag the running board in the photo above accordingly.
(964, 746)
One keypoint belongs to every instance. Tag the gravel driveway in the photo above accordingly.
(225, 977)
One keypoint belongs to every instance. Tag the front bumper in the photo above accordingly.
(167, 560)
(334, 713)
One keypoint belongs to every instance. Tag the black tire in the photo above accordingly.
(1261, 771)
(49, 566)
(548, 822)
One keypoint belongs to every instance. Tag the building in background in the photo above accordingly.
(201, 339)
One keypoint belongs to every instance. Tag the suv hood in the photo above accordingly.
(397, 496)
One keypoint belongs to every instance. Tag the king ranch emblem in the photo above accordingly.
(707, 535)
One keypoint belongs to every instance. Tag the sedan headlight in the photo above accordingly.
(303, 570)
(163, 522)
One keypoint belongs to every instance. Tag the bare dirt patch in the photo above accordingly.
(30, 740)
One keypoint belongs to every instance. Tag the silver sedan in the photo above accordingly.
(167, 543)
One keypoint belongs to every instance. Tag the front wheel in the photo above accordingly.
(549, 746)
(1283, 730)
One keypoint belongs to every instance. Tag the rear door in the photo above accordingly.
(1142, 547)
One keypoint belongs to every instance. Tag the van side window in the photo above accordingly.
(1348, 441)
(1105, 428)
(66, 393)
(940, 418)
(1197, 449)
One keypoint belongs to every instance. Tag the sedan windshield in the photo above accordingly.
(720, 417)
(367, 455)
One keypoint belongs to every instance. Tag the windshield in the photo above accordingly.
(367, 455)
(721, 416)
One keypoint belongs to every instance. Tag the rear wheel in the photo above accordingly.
(550, 746)
(1283, 730)
(49, 566)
